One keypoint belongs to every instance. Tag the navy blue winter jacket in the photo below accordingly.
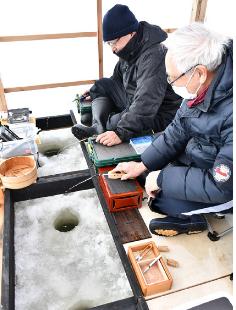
(195, 152)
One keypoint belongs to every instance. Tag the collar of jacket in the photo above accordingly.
(148, 35)
(200, 98)
(133, 47)
(204, 106)
(222, 84)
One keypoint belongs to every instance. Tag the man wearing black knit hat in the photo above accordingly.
(137, 99)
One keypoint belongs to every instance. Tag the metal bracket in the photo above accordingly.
(212, 234)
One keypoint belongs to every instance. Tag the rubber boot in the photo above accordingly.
(101, 108)
(86, 118)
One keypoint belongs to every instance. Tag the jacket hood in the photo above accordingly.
(152, 34)
(147, 36)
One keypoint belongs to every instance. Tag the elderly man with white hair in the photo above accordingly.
(191, 162)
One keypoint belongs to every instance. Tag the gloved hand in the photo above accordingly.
(151, 183)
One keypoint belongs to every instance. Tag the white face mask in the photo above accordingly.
(183, 92)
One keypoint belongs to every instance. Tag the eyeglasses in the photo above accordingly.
(112, 42)
(182, 74)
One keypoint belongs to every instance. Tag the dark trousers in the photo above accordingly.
(115, 91)
(175, 207)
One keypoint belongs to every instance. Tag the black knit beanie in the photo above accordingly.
(118, 22)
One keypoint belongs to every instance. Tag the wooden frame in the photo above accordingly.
(45, 187)
(100, 46)
(198, 10)
(98, 34)
(169, 30)
(3, 103)
(48, 36)
(198, 14)
(72, 35)
(46, 86)
(53, 185)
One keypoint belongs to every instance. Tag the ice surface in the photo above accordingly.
(69, 158)
(71, 270)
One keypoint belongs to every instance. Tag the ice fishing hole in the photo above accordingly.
(52, 152)
(81, 306)
(66, 221)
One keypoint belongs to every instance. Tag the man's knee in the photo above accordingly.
(100, 87)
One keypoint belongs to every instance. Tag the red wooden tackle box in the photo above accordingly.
(120, 195)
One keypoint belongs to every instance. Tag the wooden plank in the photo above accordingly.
(198, 11)
(3, 103)
(131, 226)
(47, 36)
(169, 30)
(67, 35)
(100, 38)
(46, 86)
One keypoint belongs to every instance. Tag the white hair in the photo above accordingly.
(196, 45)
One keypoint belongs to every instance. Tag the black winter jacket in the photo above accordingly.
(152, 102)
(199, 143)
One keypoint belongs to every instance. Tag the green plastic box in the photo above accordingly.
(85, 107)
(103, 156)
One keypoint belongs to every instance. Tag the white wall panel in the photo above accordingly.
(21, 17)
(48, 61)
